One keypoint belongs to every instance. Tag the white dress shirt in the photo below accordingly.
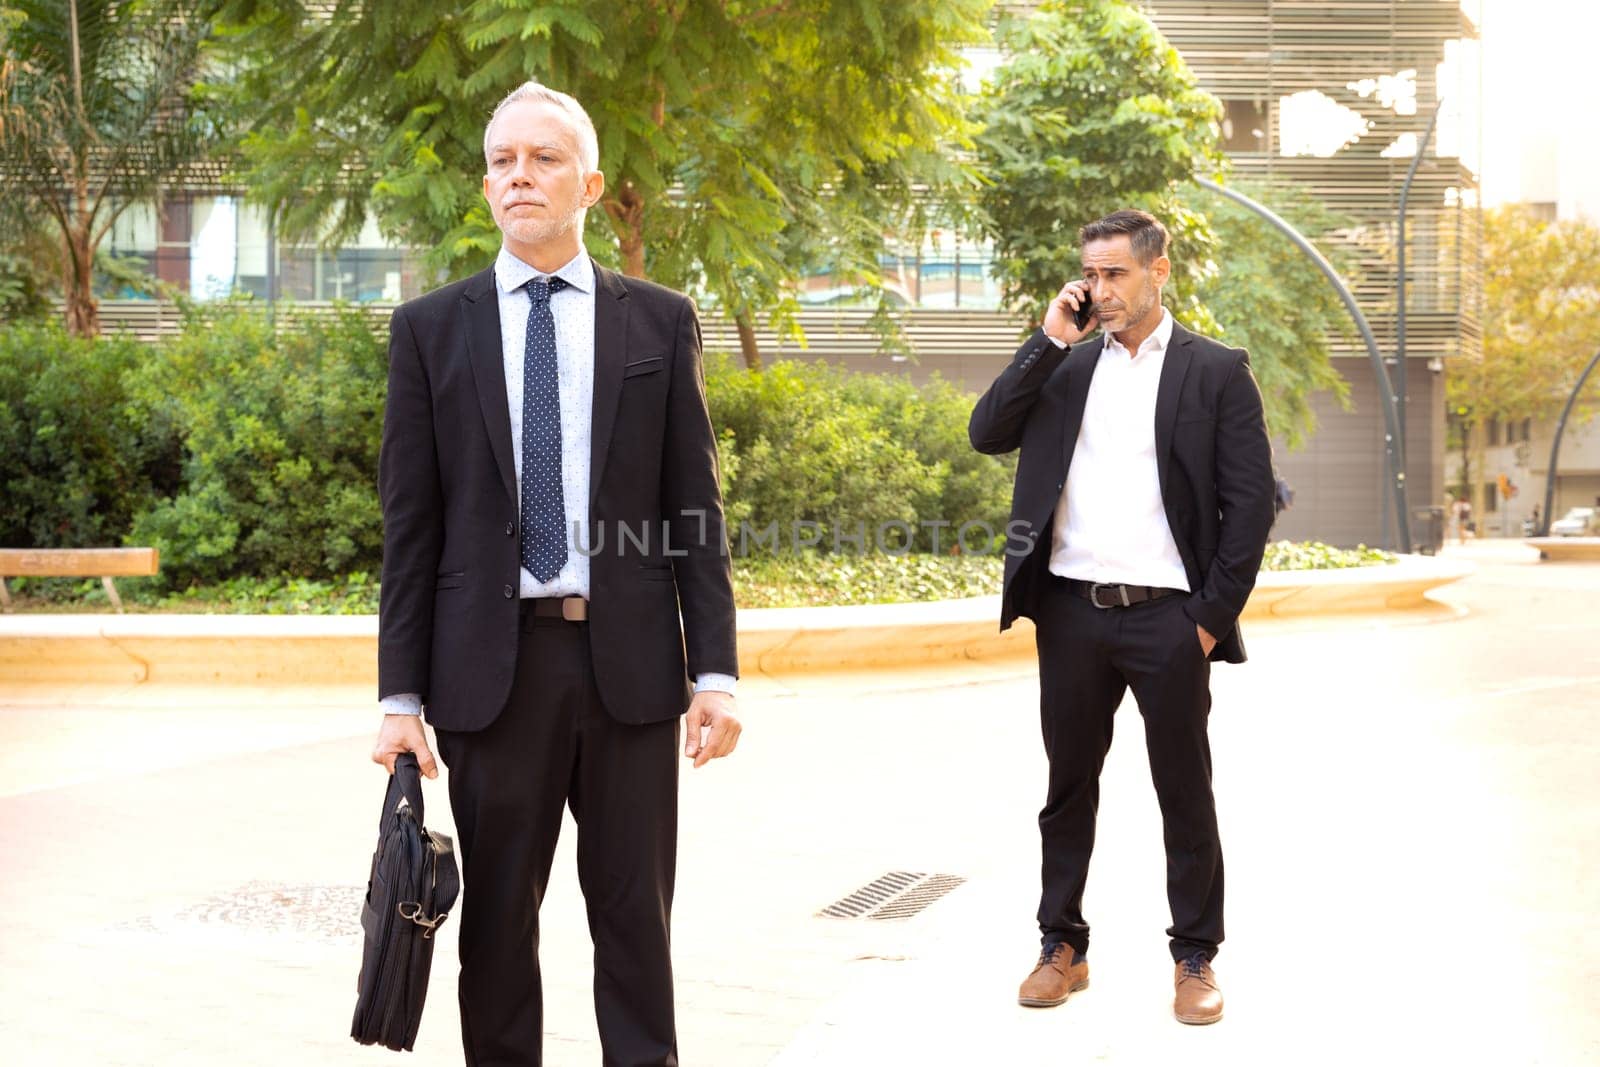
(573, 311)
(1110, 525)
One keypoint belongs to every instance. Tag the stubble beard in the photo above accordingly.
(1149, 300)
(538, 231)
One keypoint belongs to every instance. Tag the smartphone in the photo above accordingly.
(1081, 317)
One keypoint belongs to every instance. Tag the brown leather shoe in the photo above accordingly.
(1198, 999)
(1054, 979)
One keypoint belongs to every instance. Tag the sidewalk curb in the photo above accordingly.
(342, 650)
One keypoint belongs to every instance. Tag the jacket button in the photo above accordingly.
(510, 592)
(511, 528)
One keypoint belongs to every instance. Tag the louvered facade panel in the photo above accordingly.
(1263, 51)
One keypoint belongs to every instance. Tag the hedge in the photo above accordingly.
(242, 449)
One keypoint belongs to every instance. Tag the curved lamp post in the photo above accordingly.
(1400, 275)
(1393, 443)
(1555, 447)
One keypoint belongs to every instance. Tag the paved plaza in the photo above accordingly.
(1410, 814)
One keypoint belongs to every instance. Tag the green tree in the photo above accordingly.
(742, 142)
(1268, 297)
(97, 113)
(1541, 324)
(1093, 111)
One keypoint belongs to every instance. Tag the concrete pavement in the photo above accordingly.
(1409, 810)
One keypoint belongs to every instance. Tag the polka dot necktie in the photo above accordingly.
(544, 509)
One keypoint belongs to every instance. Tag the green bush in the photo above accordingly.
(23, 289)
(932, 419)
(281, 430)
(248, 452)
(82, 450)
(810, 580)
(354, 594)
(806, 442)
(1316, 556)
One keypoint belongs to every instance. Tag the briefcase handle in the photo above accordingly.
(405, 782)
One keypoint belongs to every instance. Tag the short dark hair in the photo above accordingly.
(1146, 235)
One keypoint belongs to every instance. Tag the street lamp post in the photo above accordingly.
(1400, 398)
(1400, 277)
(1555, 447)
(1393, 454)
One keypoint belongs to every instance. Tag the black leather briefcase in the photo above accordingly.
(413, 885)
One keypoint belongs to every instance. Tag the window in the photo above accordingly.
(947, 271)
(1244, 126)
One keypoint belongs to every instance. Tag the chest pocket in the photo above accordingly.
(648, 365)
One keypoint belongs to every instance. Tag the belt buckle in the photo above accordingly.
(1122, 592)
(574, 609)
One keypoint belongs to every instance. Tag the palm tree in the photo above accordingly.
(98, 111)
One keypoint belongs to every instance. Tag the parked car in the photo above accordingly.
(1578, 522)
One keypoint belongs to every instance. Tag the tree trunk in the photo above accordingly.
(747, 342)
(77, 290)
(627, 218)
(1477, 449)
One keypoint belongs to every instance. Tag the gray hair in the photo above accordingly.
(1147, 238)
(582, 125)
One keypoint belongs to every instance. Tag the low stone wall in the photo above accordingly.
(1566, 549)
(280, 650)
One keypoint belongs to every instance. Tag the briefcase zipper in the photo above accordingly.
(392, 969)
(393, 966)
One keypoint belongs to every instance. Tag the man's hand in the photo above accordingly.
(403, 733)
(1058, 319)
(713, 710)
(1207, 642)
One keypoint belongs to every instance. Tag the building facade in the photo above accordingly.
(1332, 97)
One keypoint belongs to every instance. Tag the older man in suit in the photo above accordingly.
(1140, 514)
(551, 512)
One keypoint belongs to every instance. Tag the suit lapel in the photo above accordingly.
(1080, 372)
(610, 354)
(1174, 366)
(481, 308)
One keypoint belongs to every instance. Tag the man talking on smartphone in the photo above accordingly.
(1140, 514)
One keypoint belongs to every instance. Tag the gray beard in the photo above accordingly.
(1137, 314)
(538, 231)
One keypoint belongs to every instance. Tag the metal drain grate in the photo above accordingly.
(896, 895)
(918, 897)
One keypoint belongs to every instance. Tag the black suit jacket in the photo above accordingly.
(1212, 454)
(449, 600)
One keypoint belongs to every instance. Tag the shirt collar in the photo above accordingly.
(1156, 342)
(511, 273)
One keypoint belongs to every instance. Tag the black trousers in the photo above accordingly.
(553, 746)
(1088, 658)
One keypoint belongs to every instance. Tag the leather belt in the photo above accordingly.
(1117, 595)
(570, 608)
